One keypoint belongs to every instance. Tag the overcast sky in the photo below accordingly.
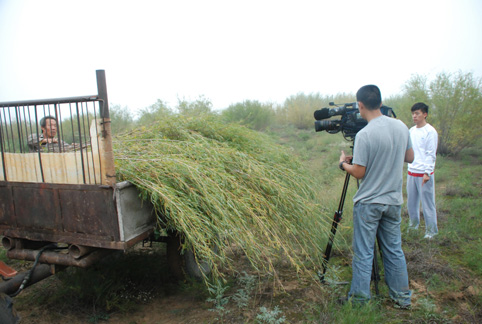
(230, 51)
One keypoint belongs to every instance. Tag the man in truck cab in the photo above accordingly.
(47, 141)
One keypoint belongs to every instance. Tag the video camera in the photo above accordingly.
(350, 122)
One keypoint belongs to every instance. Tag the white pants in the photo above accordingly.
(426, 194)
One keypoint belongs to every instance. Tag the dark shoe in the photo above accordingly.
(404, 307)
(342, 301)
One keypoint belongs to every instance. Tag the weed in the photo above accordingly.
(270, 316)
(332, 274)
(98, 317)
(219, 300)
(243, 295)
(427, 308)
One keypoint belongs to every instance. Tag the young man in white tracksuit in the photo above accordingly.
(420, 179)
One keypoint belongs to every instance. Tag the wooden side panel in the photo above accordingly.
(78, 167)
(56, 167)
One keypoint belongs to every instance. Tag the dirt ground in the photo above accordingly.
(169, 310)
(167, 301)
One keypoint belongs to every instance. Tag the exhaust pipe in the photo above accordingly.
(8, 243)
(78, 251)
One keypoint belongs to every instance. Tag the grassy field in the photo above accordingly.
(445, 272)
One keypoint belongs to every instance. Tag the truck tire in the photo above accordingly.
(194, 269)
(174, 258)
(181, 265)
(8, 315)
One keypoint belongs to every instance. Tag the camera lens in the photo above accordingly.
(326, 125)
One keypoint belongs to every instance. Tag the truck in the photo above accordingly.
(60, 203)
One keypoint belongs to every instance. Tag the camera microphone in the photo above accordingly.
(322, 114)
(327, 113)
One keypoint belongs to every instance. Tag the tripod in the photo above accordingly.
(336, 220)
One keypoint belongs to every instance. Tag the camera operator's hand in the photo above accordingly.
(345, 158)
(358, 171)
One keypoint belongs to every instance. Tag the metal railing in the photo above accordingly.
(54, 140)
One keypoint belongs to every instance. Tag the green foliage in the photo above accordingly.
(221, 184)
(298, 110)
(401, 105)
(252, 114)
(349, 314)
(198, 107)
(417, 89)
(75, 129)
(455, 102)
(242, 296)
(219, 300)
(154, 112)
(270, 316)
(121, 119)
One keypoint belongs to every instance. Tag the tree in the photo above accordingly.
(401, 105)
(252, 114)
(198, 107)
(455, 102)
(298, 110)
(154, 113)
(121, 119)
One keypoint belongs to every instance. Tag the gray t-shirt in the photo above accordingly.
(380, 147)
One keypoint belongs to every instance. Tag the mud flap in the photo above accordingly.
(6, 272)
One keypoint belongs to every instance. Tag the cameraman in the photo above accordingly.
(380, 150)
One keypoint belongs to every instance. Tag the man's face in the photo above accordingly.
(418, 117)
(50, 129)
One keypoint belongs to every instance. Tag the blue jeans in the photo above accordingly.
(382, 221)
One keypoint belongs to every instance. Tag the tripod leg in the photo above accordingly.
(334, 225)
(375, 270)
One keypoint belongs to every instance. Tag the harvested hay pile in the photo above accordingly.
(226, 185)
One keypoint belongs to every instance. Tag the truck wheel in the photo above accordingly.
(193, 269)
(184, 264)
(174, 258)
(7, 314)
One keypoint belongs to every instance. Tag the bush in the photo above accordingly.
(252, 114)
(200, 106)
(121, 119)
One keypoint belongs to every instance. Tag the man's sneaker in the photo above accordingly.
(428, 236)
